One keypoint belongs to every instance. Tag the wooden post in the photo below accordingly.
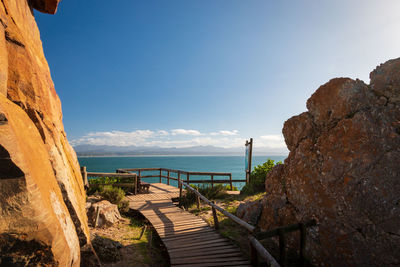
(214, 212)
(136, 185)
(97, 216)
(302, 244)
(253, 255)
(250, 155)
(179, 178)
(160, 175)
(180, 194)
(167, 177)
(142, 232)
(198, 200)
(230, 181)
(187, 178)
(150, 239)
(139, 174)
(212, 180)
(282, 247)
(84, 177)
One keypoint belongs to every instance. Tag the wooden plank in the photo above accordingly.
(213, 233)
(190, 232)
(181, 243)
(178, 231)
(213, 256)
(220, 243)
(206, 260)
(231, 263)
(179, 223)
(205, 252)
(180, 228)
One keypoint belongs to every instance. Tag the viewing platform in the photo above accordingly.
(190, 241)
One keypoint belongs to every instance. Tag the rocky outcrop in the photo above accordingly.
(250, 211)
(42, 199)
(108, 214)
(45, 6)
(343, 170)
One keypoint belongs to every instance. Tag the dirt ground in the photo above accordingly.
(134, 251)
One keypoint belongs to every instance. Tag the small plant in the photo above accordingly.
(97, 184)
(113, 194)
(123, 206)
(216, 192)
(257, 178)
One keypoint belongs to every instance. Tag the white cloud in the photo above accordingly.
(271, 141)
(225, 132)
(180, 138)
(162, 132)
(185, 132)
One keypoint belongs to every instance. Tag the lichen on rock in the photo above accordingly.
(343, 170)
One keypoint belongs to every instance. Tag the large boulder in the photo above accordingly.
(108, 214)
(343, 170)
(42, 199)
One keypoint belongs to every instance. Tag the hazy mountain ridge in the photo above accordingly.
(104, 150)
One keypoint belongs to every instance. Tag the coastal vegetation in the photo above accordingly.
(257, 178)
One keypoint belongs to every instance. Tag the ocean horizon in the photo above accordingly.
(195, 163)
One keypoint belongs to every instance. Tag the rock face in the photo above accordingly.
(108, 214)
(344, 171)
(250, 211)
(42, 199)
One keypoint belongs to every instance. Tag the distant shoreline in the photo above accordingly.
(169, 155)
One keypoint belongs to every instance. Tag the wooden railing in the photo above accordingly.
(256, 248)
(132, 185)
(184, 176)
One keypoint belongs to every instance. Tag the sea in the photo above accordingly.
(227, 164)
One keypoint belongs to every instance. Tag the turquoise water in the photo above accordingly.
(231, 164)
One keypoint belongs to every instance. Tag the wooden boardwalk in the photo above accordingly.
(190, 241)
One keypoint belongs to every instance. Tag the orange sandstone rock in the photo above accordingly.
(45, 6)
(42, 199)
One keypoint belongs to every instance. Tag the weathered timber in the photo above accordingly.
(285, 229)
(244, 224)
(117, 175)
(189, 240)
(264, 254)
(214, 212)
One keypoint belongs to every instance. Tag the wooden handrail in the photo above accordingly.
(285, 229)
(106, 174)
(237, 220)
(187, 173)
(259, 248)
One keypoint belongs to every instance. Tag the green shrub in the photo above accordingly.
(97, 184)
(257, 178)
(116, 196)
(216, 192)
(228, 188)
(123, 206)
(113, 194)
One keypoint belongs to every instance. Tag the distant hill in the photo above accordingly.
(94, 150)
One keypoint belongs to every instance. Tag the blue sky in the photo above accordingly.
(209, 72)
